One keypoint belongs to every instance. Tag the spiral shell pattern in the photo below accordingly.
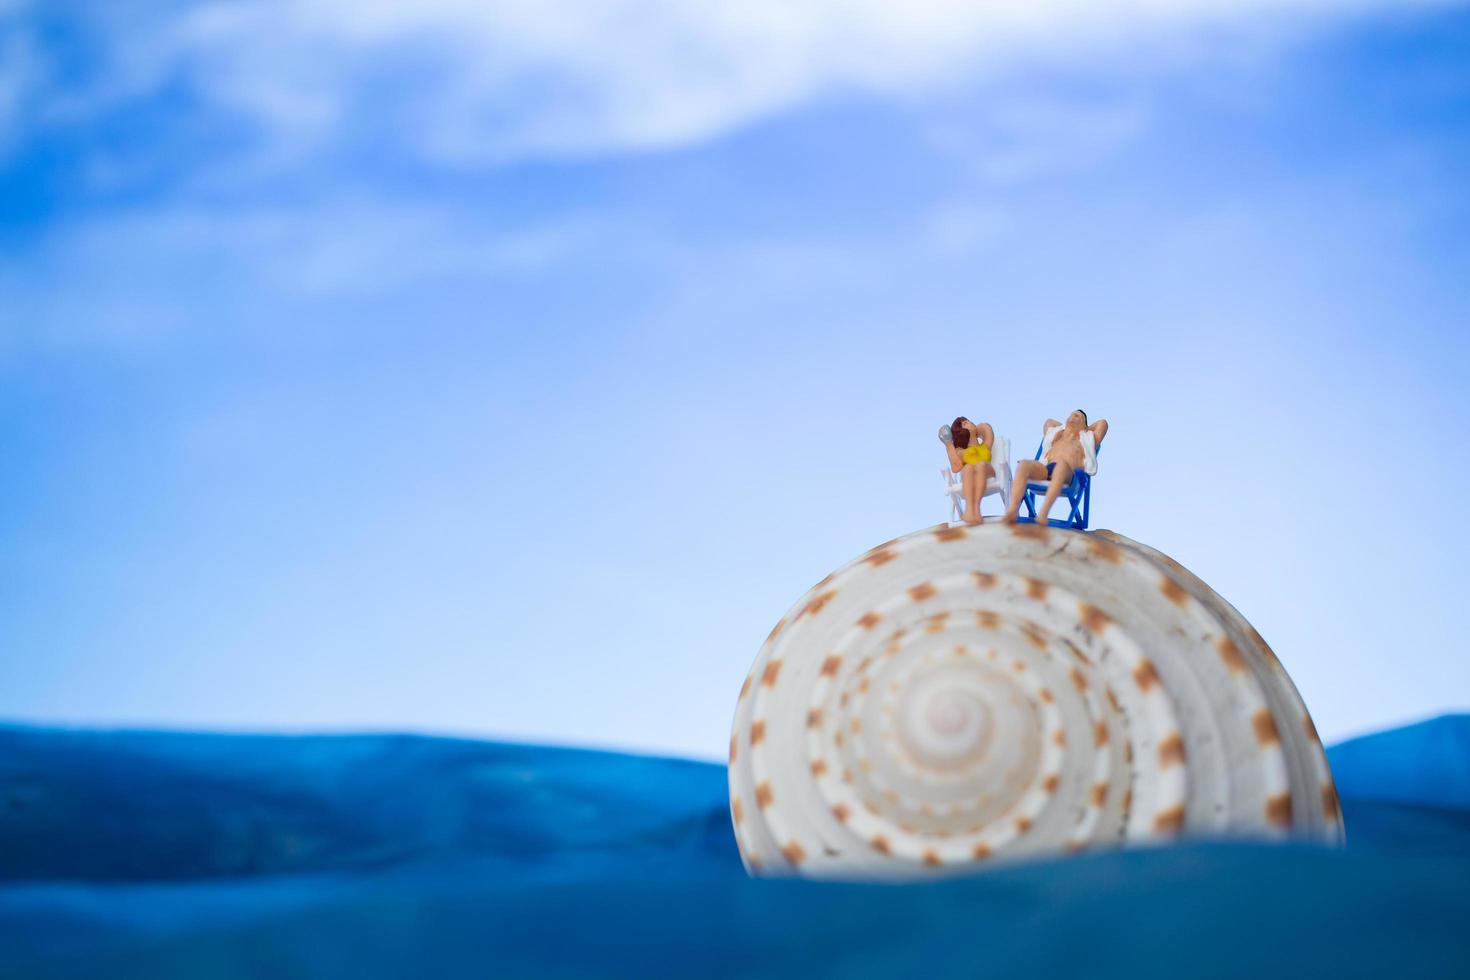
(963, 694)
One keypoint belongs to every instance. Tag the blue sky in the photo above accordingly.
(509, 370)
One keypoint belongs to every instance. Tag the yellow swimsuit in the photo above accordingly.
(974, 453)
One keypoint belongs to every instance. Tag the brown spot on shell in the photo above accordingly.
(1099, 794)
(815, 605)
(755, 863)
(1105, 551)
(1329, 800)
(1035, 532)
(987, 619)
(1100, 734)
(1017, 666)
(948, 533)
(1094, 620)
(1310, 728)
(1060, 737)
(1265, 647)
(814, 718)
(1050, 783)
(1022, 825)
(1230, 653)
(864, 684)
(1173, 591)
(1036, 588)
(931, 858)
(980, 852)
(1078, 681)
(984, 580)
(922, 591)
(1171, 750)
(830, 665)
(773, 668)
(1145, 675)
(757, 732)
(737, 809)
(780, 625)
(857, 726)
(1046, 695)
(1278, 810)
(732, 750)
(1113, 700)
(841, 812)
(1265, 726)
(819, 767)
(1033, 633)
(935, 623)
(868, 620)
(1170, 821)
(880, 844)
(793, 852)
(882, 556)
(846, 773)
(763, 795)
(745, 687)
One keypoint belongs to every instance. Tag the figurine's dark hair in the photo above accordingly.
(1084, 416)
(959, 421)
(960, 435)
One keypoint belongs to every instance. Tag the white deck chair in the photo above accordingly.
(1000, 459)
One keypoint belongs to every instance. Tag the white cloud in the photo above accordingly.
(144, 277)
(471, 82)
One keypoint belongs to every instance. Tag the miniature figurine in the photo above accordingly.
(968, 447)
(1065, 447)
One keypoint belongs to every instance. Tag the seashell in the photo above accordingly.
(964, 694)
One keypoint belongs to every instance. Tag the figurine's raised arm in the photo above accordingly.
(955, 462)
(1049, 424)
(987, 434)
(1099, 429)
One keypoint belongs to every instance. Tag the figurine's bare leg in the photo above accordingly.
(1026, 469)
(973, 486)
(1060, 477)
(983, 473)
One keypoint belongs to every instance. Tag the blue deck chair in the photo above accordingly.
(1077, 493)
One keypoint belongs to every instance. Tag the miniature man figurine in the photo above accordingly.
(1065, 448)
(969, 455)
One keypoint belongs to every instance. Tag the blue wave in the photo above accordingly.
(179, 855)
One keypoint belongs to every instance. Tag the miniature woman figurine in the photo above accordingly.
(969, 456)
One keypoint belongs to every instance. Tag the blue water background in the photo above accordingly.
(180, 855)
